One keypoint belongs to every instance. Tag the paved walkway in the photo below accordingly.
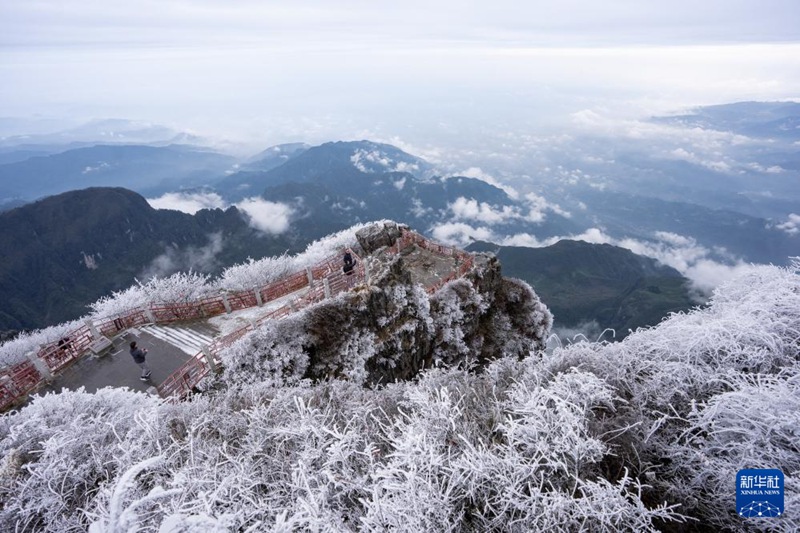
(117, 369)
(168, 346)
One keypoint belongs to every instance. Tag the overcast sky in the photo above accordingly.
(417, 70)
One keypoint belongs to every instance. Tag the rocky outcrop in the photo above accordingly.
(376, 236)
(392, 329)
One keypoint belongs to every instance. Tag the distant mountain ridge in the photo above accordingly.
(333, 163)
(754, 119)
(582, 283)
(98, 131)
(144, 168)
(66, 251)
(345, 183)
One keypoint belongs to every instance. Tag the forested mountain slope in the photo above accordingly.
(64, 252)
(598, 284)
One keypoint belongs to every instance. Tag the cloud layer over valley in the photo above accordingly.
(269, 217)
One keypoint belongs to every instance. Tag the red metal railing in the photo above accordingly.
(70, 348)
(21, 379)
(120, 322)
(183, 380)
(16, 382)
(242, 300)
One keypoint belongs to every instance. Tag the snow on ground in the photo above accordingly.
(228, 323)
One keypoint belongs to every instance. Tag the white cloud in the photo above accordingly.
(371, 161)
(774, 169)
(593, 236)
(360, 156)
(399, 184)
(418, 210)
(470, 209)
(701, 139)
(527, 240)
(539, 205)
(682, 253)
(200, 259)
(688, 257)
(402, 166)
(460, 234)
(266, 216)
(187, 202)
(90, 261)
(717, 165)
(707, 274)
(678, 251)
(478, 174)
(673, 238)
(696, 145)
(100, 166)
(792, 224)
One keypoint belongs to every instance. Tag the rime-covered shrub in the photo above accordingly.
(121, 302)
(507, 321)
(456, 309)
(177, 288)
(61, 450)
(253, 274)
(321, 249)
(640, 435)
(13, 351)
(530, 469)
(755, 425)
(518, 317)
(676, 378)
(181, 287)
(184, 287)
(391, 331)
(177, 481)
(274, 354)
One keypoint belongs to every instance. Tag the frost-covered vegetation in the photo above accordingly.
(391, 331)
(183, 287)
(640, 435)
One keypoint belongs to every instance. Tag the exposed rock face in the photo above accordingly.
(393, 329)
(376, 236)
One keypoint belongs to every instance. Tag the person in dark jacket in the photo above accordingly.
(349, 263)
(138, 355)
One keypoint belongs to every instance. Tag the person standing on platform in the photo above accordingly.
(139, 358)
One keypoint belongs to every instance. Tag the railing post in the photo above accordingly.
(365, 262)
(92, 328)
(148, 314)
(259, 301)
(310, 275)
(40, 365)
(226, 303)
(7, 384)
(209, 359)
(292, 305)
(326, 284)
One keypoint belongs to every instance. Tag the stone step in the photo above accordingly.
(186, 339)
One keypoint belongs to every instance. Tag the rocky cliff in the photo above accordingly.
(393, 327)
